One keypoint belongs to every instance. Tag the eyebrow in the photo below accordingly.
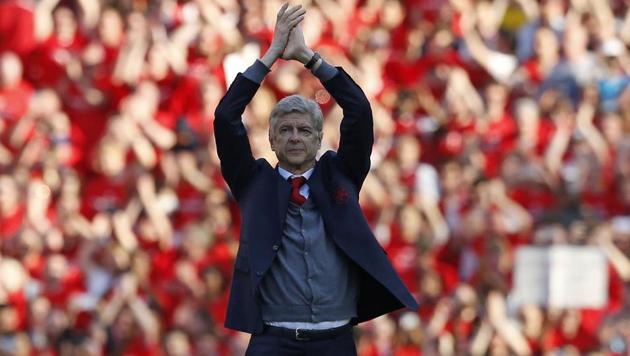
(297, 126)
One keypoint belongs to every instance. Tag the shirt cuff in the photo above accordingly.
(325, 71)
(256, 72)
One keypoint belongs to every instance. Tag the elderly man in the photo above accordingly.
(308, 267)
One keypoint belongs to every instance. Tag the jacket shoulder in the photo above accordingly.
(332, 165)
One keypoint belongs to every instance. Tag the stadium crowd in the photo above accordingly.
(498, 124)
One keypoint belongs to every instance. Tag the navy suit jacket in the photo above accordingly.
(263, 197)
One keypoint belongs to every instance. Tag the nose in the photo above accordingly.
(294, 136)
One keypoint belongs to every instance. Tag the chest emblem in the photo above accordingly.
(341, 195)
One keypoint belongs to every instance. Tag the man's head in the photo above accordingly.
(295, 132)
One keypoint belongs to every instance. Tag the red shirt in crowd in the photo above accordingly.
(17, 29)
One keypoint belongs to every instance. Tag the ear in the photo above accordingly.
(271, 141)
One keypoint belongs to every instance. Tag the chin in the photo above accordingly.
(297, 163)
(296, 159)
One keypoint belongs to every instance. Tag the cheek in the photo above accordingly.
(273, 142)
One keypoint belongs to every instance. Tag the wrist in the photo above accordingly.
(305, 55)
(315, 66)
(315, 59)
(270, 57)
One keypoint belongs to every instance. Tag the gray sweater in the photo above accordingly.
(310, 280)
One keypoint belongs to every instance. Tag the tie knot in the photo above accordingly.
(297, 182)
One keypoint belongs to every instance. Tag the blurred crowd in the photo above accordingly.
(498, 124)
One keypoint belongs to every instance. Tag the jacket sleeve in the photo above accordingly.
(237, 161)
(357, 136)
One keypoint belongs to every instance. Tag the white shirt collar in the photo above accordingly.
(286, 174)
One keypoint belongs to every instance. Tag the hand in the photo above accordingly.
(468, 21)
(296, 47)
(128, 286)
(603, 235)
(495, 304)
(427, 202)
(286, 20)
(496, 188)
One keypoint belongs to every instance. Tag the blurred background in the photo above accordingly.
(500, 181)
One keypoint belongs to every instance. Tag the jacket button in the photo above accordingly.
(275, 247)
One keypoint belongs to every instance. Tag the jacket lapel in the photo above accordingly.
(283, 193)
(319, 196)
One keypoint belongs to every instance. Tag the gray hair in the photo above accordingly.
(299, 104)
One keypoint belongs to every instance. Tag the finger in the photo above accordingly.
(296, 14)
(291, 10)
(296, 21)
(283, 9)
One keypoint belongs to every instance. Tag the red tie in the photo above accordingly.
(296, 183)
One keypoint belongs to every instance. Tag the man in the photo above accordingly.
(308, 266)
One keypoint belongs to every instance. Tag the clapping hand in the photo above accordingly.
(296, 47)
(287, 19)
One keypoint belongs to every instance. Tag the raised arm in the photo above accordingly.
(233, 146)
(500, 65)
(594, 138)
(357, 136)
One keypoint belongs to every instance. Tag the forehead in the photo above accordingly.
(294, 119)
